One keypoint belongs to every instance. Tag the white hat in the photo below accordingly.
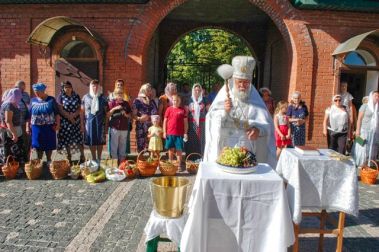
(243, 67)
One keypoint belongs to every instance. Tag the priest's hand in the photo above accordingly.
(228, 105)
(253, 133)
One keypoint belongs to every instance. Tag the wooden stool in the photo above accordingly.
(323, 217)
(158, 225)
(152, 245)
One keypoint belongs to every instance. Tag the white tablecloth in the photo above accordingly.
(232, 212)
(318, 182)
(158, 225)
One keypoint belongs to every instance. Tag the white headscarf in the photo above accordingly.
(196, 103)
(95, 99)
(170, 87)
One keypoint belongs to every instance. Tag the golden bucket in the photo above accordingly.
(169, 195)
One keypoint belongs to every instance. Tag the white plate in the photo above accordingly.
(234, 170)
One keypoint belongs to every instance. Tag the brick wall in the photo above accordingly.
(309, 38)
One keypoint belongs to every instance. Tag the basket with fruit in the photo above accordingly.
(192, 162)
(129, 167)
(147, 163)
(168, 167)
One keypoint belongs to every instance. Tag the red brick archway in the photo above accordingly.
(295, 35)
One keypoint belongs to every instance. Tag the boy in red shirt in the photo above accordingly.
(175, 127)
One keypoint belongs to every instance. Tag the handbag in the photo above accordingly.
(361, 141)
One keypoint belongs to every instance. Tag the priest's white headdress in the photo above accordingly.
(243, 67)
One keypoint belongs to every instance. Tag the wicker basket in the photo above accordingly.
(130, 168)
(33, 169)
(10, 168)
(369, 175)
(166, 167)
(75, 171)
(59, 169)
(145, 166)
(192, 166)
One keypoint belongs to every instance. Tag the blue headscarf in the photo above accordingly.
(39, 87)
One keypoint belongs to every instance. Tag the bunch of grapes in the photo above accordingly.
(232, 156)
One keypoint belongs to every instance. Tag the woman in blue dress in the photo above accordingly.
(44, 121)
(95, 107)
(297, 113)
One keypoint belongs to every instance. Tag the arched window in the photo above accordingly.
(78, 64)
(354, 59)
(359, 58)
(77, 50)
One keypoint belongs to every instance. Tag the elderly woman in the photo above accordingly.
(336, 126)
(197, 110)
(142, 109)
(297, 113)
(45, 120)
(95, 107)
(367, 130)
(70, 133)
(24, 108)
(165, 100)
(11, 141)
(268, 100)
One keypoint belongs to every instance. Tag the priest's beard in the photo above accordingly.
(242, 96)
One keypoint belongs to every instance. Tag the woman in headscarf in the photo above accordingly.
(119, 84)
(45, 120)
(166, 100)
(297, 113)
(367, 130)
(142, 109)
(336, 126)
(70, 133)
(95, 108)
(268, 100)
(197, 110)
(11, 141)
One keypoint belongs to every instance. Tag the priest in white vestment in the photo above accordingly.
(242, 120)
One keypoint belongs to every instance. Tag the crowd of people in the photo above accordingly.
(341, 125)
(175, 121)
(43, 123)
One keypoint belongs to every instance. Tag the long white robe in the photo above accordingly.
(222, 129)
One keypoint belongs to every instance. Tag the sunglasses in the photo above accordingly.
(337, 100)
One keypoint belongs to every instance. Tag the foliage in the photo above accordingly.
(197, 55)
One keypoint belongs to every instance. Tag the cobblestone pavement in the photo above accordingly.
(73, 215)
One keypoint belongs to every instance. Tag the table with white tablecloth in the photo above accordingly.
(319, 182)
(237, 212)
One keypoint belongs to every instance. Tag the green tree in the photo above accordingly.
(197, 55)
